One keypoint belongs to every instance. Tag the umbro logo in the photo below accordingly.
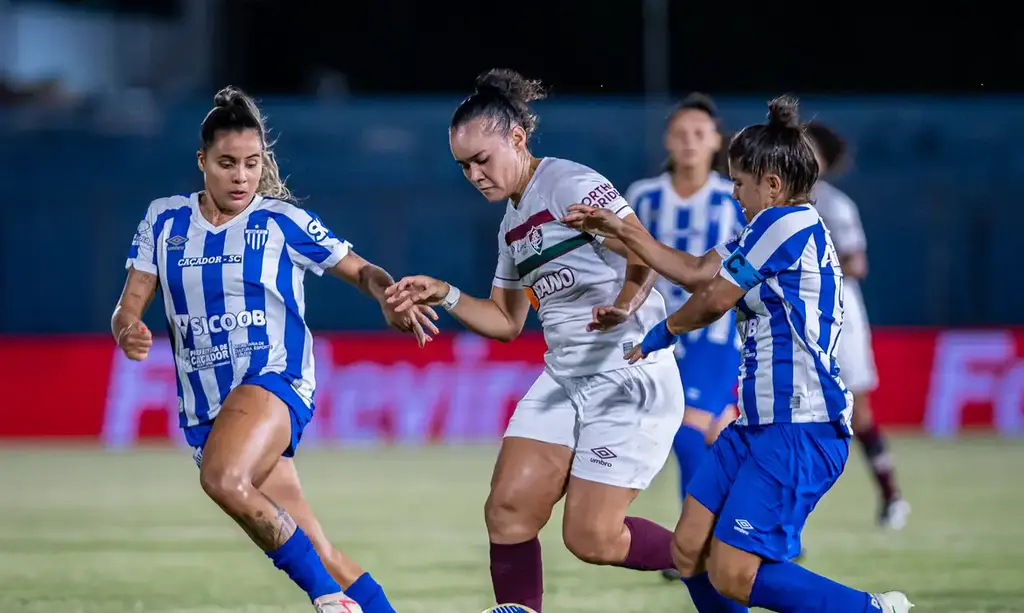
(176, 243)
(603, 456)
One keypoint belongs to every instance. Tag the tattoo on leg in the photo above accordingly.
(269, 531)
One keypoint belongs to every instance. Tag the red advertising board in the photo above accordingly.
(375, 388)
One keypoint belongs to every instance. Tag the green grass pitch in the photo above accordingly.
(87, 531)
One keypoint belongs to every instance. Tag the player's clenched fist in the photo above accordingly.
(135, 341)
(418, 289)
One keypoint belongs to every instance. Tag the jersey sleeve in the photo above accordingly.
(772, 243)
(142, 253)
(589, 188)
(505, 274)
(313, 246)
(843, 223)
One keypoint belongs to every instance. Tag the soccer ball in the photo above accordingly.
(510, 608)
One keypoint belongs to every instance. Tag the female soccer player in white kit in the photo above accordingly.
(231, 261)
(856, 358)
(747, 505)
(592, 427)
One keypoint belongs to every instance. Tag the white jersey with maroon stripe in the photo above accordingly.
(567, 273)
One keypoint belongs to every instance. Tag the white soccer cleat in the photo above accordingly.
(510, 608)
(893, 602)
(894, 514)
(336, 603)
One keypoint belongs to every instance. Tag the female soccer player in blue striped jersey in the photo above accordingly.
(748, 503)
(690, 207)
(231, 261)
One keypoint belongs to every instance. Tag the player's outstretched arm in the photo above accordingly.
(373, 280)
(133, 336)
(677, 266)
(500, 316)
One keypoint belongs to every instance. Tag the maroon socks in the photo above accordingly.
(517, 574)
(650, 546)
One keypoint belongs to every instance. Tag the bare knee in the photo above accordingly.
(228, 487)
(594, 542)
(732, 571)
(513, 518)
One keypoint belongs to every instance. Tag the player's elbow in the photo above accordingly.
(715, 301)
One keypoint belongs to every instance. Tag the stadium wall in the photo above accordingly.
(378, 388)
(935, 179)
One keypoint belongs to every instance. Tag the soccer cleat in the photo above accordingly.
(510, 608)
(892, 602)
(894, 514)
(336, 603)
(671, 574)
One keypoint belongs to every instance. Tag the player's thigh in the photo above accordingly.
(533, 462)
(628, 420)
(787, 471)
(592, 521)
(250, 433)
(692, 537)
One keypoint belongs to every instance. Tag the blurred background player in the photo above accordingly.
(592, 427)
(856, 358)
(231, 261)
(690, 207)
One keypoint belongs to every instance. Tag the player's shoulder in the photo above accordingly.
(170, 203)
(783, 217)
(563, 182)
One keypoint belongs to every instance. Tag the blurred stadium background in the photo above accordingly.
(100, 103)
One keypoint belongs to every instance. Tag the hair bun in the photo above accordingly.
(229, 97)
(782, 112)
(510, 84)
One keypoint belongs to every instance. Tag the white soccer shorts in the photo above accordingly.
(855, 356)
(620, 423)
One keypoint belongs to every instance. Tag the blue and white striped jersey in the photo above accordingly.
(790, 319)
(695, 225)
(234, 294)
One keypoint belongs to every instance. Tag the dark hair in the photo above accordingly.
(234, 110)
(829, 145)
(502, 96)
(779, 147)
(698, 101)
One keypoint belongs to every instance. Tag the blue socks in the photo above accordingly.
(706, 599)
(369, 595)
(690, 449)
(790, 588)
(300, 562)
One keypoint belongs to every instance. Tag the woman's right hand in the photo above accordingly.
(135, 340)
(416, 290)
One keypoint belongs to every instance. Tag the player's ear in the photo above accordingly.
(518, 138)
(201, 160)
(774, 184)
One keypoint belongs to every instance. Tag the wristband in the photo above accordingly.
(658, 338)
(451, 298)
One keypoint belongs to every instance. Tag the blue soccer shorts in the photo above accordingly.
(762, 482)
(278, 385)
(709, 372)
